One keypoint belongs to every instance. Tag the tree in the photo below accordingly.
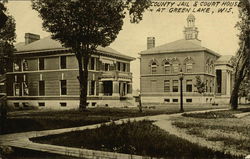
(244, 89)
(83, 25)
(200, 85)
(7, 38)
(243, 54)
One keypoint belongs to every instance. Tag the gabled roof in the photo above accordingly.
(49, 44)
(178, 46)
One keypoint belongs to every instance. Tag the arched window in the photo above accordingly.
(167, 67)
(175, 67)
(188, 62)
(153, 67)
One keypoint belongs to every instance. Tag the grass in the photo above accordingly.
(219, 126)
(19, 153)
(141, 138)
(35, 120)
(217, 114)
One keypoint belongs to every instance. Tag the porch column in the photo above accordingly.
(130, 89)
(101, 91)
(228, 83)
(224, 82)
(115, 89)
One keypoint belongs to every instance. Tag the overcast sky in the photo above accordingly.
(216, 31)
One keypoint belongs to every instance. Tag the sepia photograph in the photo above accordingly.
(124, 79)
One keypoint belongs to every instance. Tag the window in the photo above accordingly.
(175, 85)
(189, 100)
(189, 67)
(106, 67)
(206, 85)
(153, 68)
(17, 66)
(63, 104)
(167, 100)
(189, 85)
(41, 104)
(63, 62)
(93, 104)
(175, 100)
(124, 67)
(166, 86)
(118, 66)
(63, 87)
(211, 85)
(176, 68)
(25, 89)
(25, 65)
(17, 89)
(41, 63)
(16, 105)
(41, 88)
(92, 88)
(92, 63)
(167, 67)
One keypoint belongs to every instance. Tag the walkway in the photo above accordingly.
(21, 140)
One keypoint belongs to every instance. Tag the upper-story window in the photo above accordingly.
(17, 66)
(106, 67)
(63, 62)
(188, 62)
(175, 65)
(25, 65)
(176, 68)
(118, 66)
(167, 67)
(41, 63)
(92, 63)
(124, 68)
(189, 67)
(153, 67)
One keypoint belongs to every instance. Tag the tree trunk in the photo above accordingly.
(80, 79)
(238, 78)
(84, 92)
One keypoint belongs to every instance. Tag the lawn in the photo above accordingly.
(19, 153)
(141, 138)
(23, 121)
(219, 126)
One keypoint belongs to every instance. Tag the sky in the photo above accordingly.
(216, 31)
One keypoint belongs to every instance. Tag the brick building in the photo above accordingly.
(44, 74)
(161, 65)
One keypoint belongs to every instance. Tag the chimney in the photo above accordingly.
(150, 42)
(29, 38)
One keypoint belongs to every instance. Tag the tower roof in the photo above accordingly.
(191, 16)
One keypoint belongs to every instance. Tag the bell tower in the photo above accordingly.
(191, 32)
